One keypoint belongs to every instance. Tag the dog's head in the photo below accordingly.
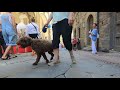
(24, 42)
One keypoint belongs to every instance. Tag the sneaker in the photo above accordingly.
(12, 56)
(73, 60)
(94, 53)
(52, 63)
(57, 62)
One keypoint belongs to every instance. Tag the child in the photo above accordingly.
(94, 36)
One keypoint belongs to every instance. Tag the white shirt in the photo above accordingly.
(21, 26)
(31, 29)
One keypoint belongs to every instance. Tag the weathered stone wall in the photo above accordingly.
(82, 23)
(108, 28)
(104, 29)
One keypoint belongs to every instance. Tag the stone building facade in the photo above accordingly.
(109, 29)
(109, 23)
(83, 23)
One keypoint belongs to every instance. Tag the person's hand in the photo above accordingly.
(90, 32)
(71, 18)
(46, 25)
(0, 30)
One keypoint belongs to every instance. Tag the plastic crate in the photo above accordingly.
(14, 49)
(21, 50)
(28, 49)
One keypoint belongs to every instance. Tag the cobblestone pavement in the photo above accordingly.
(102, 65)
(112, 57)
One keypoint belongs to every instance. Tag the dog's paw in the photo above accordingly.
(34, 63)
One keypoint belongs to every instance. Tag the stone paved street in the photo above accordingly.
(88, 66)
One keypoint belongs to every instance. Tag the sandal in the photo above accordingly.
(7, 58)
(14, 56)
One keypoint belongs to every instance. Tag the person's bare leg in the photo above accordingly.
(12, 53)
(17, 49)
(6, 52)
(56, 57)
(33, 53)
(56, 53)
(25, 50)
(72, 57)
(12, 50)
(4, 48)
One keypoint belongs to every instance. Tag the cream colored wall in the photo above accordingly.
(41, 18)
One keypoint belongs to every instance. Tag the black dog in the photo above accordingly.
(39, 46)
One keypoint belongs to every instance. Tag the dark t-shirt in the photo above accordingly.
(1, 32)
(1, 37)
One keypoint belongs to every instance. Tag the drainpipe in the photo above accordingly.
(98, 30)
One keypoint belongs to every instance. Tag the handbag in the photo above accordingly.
(35, 29)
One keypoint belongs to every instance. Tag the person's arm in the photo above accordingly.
(49, 19)
(26, 31)
(18, 32)
(94, 33)
(71, 18)
(38, 30)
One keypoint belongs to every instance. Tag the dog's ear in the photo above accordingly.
(28, 40)
(25, 38)
(19, 41)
